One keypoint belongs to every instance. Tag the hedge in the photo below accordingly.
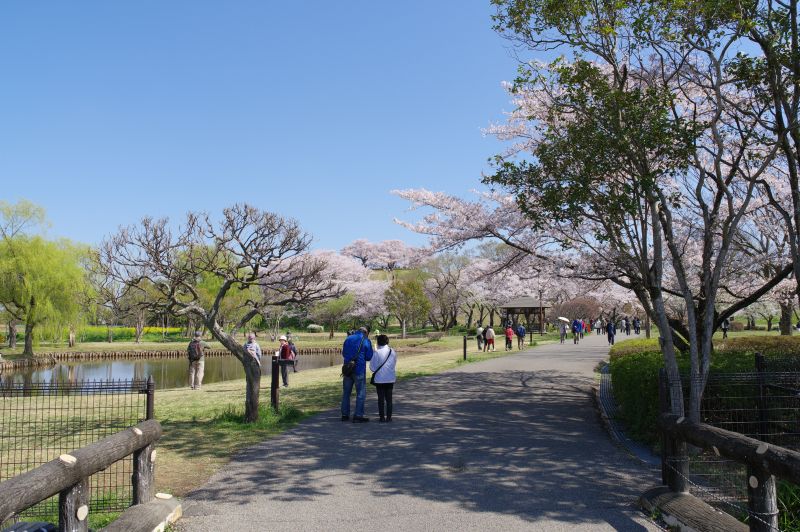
(635, 365)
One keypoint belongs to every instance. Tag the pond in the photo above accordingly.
(167, 372)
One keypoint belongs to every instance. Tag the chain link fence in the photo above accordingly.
(40, 421)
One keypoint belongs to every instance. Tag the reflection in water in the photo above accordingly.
(168, 372)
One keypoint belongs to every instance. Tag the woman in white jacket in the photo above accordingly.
(383, 364)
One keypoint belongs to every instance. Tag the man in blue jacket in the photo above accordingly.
(356, 347)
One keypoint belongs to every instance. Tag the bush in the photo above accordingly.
(737, 326)
(433, 336)
(314, 328)
(635, 365)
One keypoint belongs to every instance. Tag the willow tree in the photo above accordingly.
(246, 251)
(41, 281)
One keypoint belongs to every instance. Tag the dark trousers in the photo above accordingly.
(610, 339)
(285, 374)
(384, 399)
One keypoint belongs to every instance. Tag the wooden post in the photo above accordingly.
(465, 347)
(663, 403)
(274, 390)
(144, 473)
(73, 508)
(151, 396)
(762, 501)
(763, 425)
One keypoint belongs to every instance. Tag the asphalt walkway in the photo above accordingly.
(508, 444)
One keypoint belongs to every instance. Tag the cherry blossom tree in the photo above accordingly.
(247, 251)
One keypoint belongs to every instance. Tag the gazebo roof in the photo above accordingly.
(520, 304)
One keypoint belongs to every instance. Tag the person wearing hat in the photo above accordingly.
(196, 354)
(358, 348)
(285, 353)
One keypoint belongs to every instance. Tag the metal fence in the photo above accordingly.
(764, 405)
(40, 421)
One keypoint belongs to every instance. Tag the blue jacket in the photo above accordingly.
(611, 328)
(576, 326)
(520, 330)
(350, 351)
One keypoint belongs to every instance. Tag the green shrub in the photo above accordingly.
(635, 365)
(635, 381)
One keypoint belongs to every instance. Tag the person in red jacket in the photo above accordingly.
(285, 353)
(509, 338)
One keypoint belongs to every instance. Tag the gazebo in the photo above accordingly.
(527, 306)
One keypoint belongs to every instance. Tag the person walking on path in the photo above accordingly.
(382, 365)
(725, 326)
(509, 333)
(563, 332)
(285, 353)
(197, 360)
(611, 330)
(357, 347)
(489, 334)
(520, 336)
(479, 336)
(576, 330)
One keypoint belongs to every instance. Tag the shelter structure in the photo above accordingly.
(527, 306)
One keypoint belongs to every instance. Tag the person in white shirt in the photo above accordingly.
(383, 364)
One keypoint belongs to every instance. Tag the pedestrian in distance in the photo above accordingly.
(293, 347)
(489, 335)
(563, 332)
(383, 366)
(356, 352)
(611, 330)
(197, 360)
(479, 336)
(520, 336)
(627, 327)
(285, 354)
(576, 330)
(725, 326)
(509, 333)
(252, 347)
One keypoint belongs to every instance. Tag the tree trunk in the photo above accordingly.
(110, 334)
(139, 326)
(469, 317)
(252, 372)
(12, 334)
(330, 336)
(785, 322)
(491, 318)
(71, 336)
(403, 324)
(647, 326)
(769, 322)
(28, 339)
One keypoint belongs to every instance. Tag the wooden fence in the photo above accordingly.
(68, 476)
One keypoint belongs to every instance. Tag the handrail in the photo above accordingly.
(772, 459)
(67, 475)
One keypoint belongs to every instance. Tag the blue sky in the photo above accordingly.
(314, 109)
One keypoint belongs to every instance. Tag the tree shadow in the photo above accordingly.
(517, 443)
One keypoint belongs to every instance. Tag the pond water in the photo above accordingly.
(167, 372)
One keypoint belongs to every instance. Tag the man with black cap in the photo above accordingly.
(356, 348)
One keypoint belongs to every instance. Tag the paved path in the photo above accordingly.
(507, 444)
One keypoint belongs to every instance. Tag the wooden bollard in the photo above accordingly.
(274, 391)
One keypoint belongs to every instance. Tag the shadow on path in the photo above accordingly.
(501, 450)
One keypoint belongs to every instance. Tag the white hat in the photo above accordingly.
(282, 338)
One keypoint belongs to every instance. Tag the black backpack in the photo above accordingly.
(195, 351)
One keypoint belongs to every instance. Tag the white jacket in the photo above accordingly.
(387, 372)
